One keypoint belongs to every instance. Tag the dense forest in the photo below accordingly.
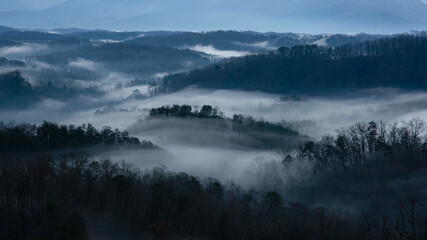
(51, 136)
(374, 161)
(46, 197)
(41, 37)
(15, 91)
(131, 58)
(393, 62)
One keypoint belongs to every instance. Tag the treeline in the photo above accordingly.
(361, 144)
(10, 63)
(247, 124)
(186, 111)
(17, 138)
(244, 41)
(374, 170)
(17, 92)
(372, 167)
(398, 62)
(46, 198)
(359, 49)
(41, 37)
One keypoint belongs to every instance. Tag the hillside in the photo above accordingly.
(399, 62)
(132, 58)
(15, 91)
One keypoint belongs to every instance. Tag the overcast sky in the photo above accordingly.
(307, 16)
(9, 5)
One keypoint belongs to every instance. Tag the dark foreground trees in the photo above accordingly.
(371, 143)
(382, 169)
(47, 198)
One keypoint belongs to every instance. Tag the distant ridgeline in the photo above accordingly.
(271, 135)
(10, 63)
(51, 136)
(399, 62)
(17, 92)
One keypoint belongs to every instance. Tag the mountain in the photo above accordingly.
(248, 41)
(39, 37)
(6, 29)
(315, 16)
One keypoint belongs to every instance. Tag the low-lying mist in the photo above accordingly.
(211, 50)
(195, 148)
(313, 116)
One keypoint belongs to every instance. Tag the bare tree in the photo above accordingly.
(416, 128)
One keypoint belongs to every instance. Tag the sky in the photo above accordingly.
(304, 16)
(10, 5)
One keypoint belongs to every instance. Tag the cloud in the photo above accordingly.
(22, 51)
(321, 42)
(211, 50)
(83, 63)
(313, 116)
(262, 45)
(160, 75)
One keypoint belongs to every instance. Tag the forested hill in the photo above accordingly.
(208, 125)
(50, 136)
(15, 91)
(399, 62)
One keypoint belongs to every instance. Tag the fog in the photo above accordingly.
(262, 45)
(211, 50)
(21, 51)
(84, 63)
(313, 116)
(196, 148)
(200, 147)
(110, 97)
